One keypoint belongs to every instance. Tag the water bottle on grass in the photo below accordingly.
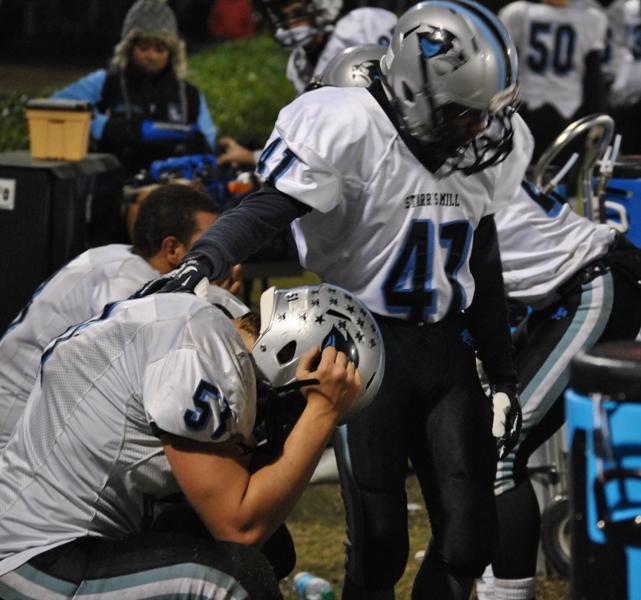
(309, 587)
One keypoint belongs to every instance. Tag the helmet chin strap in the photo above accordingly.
(295, 385)
(278, 409)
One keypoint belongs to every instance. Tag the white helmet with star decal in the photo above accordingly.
(294, 320)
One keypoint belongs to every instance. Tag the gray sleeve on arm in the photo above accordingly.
(243, 230)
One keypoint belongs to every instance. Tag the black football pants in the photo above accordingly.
(431, 410)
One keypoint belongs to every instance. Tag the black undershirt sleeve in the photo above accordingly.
(593, 84)
(488, 311)
(245, 229)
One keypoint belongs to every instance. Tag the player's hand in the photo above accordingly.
(234, 153)
(339, 381)
(507, 421)
(190, 276)
(231, 283)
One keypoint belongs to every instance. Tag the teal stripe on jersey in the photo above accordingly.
(170, 579)
(10, 592)
(26, 582)
(39, 577)
(569, 337)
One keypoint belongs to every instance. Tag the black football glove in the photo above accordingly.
(191, 276)
(507, 421)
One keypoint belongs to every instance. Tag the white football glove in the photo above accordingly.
(506, 423)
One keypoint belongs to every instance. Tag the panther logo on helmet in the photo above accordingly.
(453, 60)
(356, 66)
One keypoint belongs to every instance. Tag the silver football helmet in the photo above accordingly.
(452, 62)
(294, 320)
(353, 67)
(296, 22)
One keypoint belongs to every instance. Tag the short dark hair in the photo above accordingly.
(169, 210)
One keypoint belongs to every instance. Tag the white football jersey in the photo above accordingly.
(74, 294)
(383, 226)
(543, 243)
(361, 26)
(625, 23)
(552, 43)
(84, 458)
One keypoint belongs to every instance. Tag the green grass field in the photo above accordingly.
(317, 526)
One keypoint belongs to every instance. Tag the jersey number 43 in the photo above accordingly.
(409, 287)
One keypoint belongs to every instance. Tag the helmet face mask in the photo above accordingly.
(297, 319)
(297, 22)
(450, 60)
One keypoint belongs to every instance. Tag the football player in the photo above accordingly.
(393, 188)
(625, 93)
(311, 29)
(157, 395)
(171, 219)
(561, 46)
(583, 282)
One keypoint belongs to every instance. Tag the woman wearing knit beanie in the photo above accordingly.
(144, 108)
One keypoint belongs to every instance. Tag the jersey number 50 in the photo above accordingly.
(557, 42)
(409, 285)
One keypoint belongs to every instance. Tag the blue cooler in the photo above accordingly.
(623, 197)
(603, 407)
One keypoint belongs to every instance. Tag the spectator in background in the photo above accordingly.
(169, 221)
(312, 30)
(144, 108)
(231, 20)
(560, 45)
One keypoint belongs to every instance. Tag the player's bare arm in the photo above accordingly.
(239, 506)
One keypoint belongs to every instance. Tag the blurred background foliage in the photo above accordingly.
(245, 85)
(13, 123)
(243, 81)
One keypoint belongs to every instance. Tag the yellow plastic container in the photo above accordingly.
(58, 129)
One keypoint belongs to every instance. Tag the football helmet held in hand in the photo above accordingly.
(297, 319)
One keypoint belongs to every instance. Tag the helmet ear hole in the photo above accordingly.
(286, 353)
(407, 92)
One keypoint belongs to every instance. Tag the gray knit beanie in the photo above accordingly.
(151, 19)
(150, 16)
